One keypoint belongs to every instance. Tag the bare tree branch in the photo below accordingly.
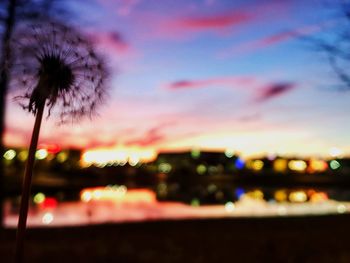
(336, 45)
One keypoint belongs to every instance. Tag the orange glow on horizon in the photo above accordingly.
(246, 144)
(256, 144)
(118, 155)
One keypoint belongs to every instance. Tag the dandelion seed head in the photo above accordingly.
(55, 65)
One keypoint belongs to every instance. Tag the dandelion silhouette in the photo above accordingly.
(58, 67)
(54, 67)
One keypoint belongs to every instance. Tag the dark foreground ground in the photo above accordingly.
(297, 239)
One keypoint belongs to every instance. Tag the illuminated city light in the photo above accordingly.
(318, 197)
(239, 163)
(341, 209)
(51, 148)
(97, 194)
(195, 153)
(298, 197)
(256, 194)
(86, 196)
(317, 166)
(62, 157)
(164, 167)
(297, 165)
(39, 198)
(280, 165)
(10, 154)
(201, 169)
(257, 165)
(102, 157)
(239, 192)
(101, 165)
(229, 207)
(41, 154)
(281, 196)
(229, 153)
(47, 218)
(120, 156)
(22, 155)
(133, 159)
(195, 202)
(122, 162)
(49, 203)
(334, 164)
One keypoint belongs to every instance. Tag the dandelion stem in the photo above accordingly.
(22, 221)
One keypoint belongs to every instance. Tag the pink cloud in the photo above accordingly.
(223, 81)
(265, 93)
(100, 143)
(274, 90)
(268, 41)
(152, 136)
(112, 41)
(180, 26)
(286, 36)
(213, 22)
(177, 27)
(180, 22)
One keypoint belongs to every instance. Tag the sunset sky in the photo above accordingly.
(209, 74)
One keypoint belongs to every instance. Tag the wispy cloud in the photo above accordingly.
(151, 137)
(113, 42)
(269, 41)
(258, 88)
(212, 22)
(101, 143)
(274, 90)
(221, 81)
(182, 24)
(178, 27)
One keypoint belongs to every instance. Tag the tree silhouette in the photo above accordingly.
(336, 44)
(53, 67)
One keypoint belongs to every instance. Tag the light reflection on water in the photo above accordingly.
(141, 205)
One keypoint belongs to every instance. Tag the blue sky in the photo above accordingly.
(208, 74)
